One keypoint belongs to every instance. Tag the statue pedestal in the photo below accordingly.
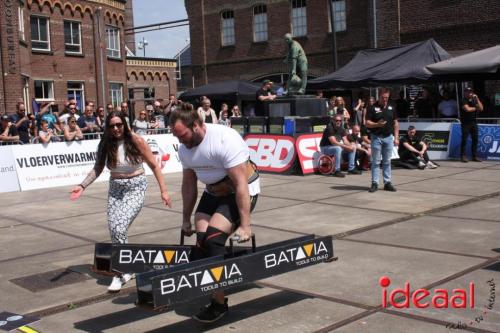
(299, 105)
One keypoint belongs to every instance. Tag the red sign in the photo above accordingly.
(307, 146)
(274, 153)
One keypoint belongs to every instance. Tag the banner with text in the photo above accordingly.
(435, 135)
(488, 146)
(272, 153)
(8, 174)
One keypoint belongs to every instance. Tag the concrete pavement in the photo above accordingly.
(440, 230)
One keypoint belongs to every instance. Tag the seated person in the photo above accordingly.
(413, 150)
(363, 147)
(72, 131)
(334, 142)
(46, 134)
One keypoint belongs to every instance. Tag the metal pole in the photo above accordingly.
(334, 35)
(374, 4)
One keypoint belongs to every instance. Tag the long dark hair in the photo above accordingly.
(108, 147)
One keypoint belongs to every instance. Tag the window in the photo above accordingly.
(113, 47)
(40, 36)
(227, 27)
(44, 90)
(149, 93)
(259, 23)
(299, 18)
(116, 93)
(72, 37)
(339, 15)
(21, 23)
(76, 91)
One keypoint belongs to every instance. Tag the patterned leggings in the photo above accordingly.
(125, 200)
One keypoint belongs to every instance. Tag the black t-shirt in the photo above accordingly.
(259, 105)
(403, 108)
(424, 108)
(468, 117)
(12, 130)
(329, 131)
(414, 142)
(355, 138)
(23, 129)
(377, 112)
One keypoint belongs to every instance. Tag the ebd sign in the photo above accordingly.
(141, 258)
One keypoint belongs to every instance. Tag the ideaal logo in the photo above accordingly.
(158, 258)
(300, 255)
(208, 279)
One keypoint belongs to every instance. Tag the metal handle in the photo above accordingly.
(236, 238)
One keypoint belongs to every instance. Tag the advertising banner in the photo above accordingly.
(435, 135)
(272, 153)
(67, 163)
(308, 151)
(488, 147)
(8, 173)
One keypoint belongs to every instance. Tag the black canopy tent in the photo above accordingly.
(479, 65)
(396, 65)
(232, 91)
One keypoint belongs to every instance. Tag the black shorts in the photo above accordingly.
(226, 206)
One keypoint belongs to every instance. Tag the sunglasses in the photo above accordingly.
(338, 121)
(117, 125)
(72, 122)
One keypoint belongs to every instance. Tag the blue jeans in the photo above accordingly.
(337, 152)
(382, 146)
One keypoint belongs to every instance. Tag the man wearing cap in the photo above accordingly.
(263, 94)
(8, 132)
(471, 105)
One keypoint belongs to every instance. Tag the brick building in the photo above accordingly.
(244, 39)
(55, 49)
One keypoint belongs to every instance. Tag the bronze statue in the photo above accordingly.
(297, 67)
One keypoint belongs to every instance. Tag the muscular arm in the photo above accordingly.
(240, 181)
(189, 194)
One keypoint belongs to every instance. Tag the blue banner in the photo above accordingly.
(488, 146)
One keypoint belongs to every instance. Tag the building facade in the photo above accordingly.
(244, 39)
(52, 50)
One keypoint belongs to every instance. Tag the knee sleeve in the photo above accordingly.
(198, 252)
(214, 242)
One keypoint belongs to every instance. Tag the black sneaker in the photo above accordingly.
(389, 187)
(354, 172)
(338, 174)
(373, 188)
(212, 312)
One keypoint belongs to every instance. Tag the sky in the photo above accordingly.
(164, 43)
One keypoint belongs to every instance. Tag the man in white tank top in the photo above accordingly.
(218, 157)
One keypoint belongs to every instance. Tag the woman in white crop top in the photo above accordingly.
(123, 152)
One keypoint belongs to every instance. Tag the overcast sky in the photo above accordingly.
(164, 43)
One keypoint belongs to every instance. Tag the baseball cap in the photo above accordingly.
(267, 81)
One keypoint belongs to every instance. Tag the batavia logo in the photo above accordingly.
(423, 298)
(208, 279)
(168, 257)
(300, 255)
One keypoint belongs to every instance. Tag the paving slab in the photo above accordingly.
(407, 202)
(432, 173)
(488, 209)
(355, 276)
(11, 199)
(439, 233)
(490, 175)
(7, 223)
(307, 191)
(470, 165)
(321, 219)
(482, 292)
(453, 186)
(382, 322)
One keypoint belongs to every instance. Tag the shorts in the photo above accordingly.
(226, 206)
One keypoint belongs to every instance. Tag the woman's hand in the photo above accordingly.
(76, 192)
(166, 199)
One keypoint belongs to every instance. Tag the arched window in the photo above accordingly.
(299, 18)
(259, 23)
(227, 28)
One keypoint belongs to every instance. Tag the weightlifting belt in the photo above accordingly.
(225, 186)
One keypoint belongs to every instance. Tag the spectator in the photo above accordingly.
(45, 113)
(72, 131)
(172, 105)
(264, 94)
(402, 105)
(206, 113)
(224, 116)
(59, 128)
(363, 149)
(22, 123)
(125, 112)
(371, 101)
(413, 150)
(448, 107)
(471, 105)
(423, 105)
(334, 141)
(159, 114)
(359, 113)
(109, 108)
(88, 122)
(46, 134)
(341, 109)
(331, 106)
(141, 124)
(100, 119)
(72, 113)
(8, 132)
(235, 112)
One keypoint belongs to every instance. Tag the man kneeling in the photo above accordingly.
(414, 151)
(334, 142)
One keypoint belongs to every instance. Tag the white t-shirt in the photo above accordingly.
(222, 148)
